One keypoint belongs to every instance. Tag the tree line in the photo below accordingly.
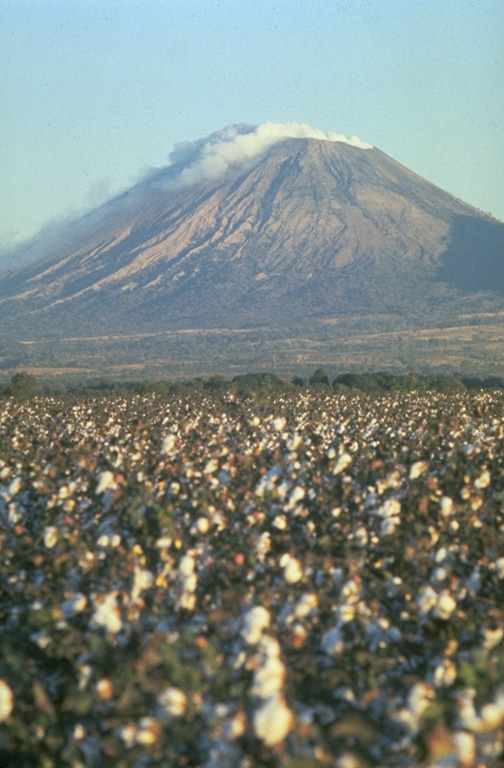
(24, 385)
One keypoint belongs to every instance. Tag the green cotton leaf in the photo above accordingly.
(468, 675)
(354, 726)
(41, 699)
(78, 702)
(41, 619)
(301, 762)
(436, 713)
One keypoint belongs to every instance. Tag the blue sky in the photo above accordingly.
(94, 93)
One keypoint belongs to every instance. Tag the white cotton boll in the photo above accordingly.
(492, 637)
(419, 698)
(278, 424)
(142, 579)
(345, 613)
(75, 604)
(85, 672)
(127, 734)
(499, 567)
(483, 481)
(14, 487)
(293, 442)
(187, 565)
(105, 689)
(390, 508)
(15, 512)
(445, 605)
(148, 731)
(164, 542)
(269, 647)
(441, 554)
(306, 605)
(389, 526)
(296, 495)
(190, 582)
(211, 466)
(268, 678)
(273, 721)
(173, 701)
(42, 639)
(107, 615)
(465, 744)
(467, 713)
(344, 460)
(417, 469)
(446, 506)
(440, 574)
(203, 525)
(491, 716)
(187, 601)
(63, 492)
(499, 700)
(293, 571)
(50, 536)
(105, 482)
(79, 732)
(168, 446)
(282, 490)
(361, 536)
(280, 522)
(351, 590)
(235, 726)
(263, 544)
(254, 622)
(427, 599)
(6, 701)
(445, 674)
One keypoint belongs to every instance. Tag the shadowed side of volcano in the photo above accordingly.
(474, 258)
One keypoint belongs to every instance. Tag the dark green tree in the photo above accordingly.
(217, 383)
(319, 377)
(23, 385)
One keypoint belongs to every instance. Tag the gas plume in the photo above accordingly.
(211, 157)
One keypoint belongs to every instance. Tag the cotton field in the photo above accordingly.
(306, 580)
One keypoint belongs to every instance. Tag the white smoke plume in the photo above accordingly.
(211, 157)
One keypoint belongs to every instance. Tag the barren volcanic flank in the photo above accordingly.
(307, 237)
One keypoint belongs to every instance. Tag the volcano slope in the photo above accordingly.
(280, 262)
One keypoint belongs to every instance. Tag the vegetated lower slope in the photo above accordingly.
(312, 232)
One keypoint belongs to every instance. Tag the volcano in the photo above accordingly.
(279, 261)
